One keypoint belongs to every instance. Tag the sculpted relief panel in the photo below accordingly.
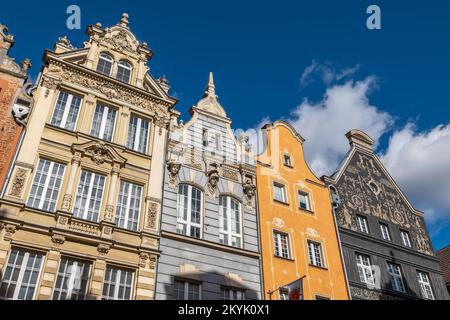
(364, 188)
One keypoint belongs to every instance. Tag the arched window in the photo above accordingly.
(124, 71)
(189, 222)
(230, 222)
(105, 63)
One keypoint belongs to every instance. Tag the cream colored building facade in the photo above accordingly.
(80, 216)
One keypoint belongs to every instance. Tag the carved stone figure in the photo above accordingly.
(249, 190)
(213, 179)
(174, 168)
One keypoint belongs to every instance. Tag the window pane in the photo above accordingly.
(138, 134)
(103, 123)
(72, 281)
(118, 284)
(124, 71)
(89, 196)
(128, 206)
(46, 184)
(21, 275)
(104, 65)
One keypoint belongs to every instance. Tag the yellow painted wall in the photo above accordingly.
(300, 225)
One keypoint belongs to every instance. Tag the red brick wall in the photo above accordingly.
(444, 257)
(9, 130)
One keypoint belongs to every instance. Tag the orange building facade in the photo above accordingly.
(297, 227)
(14, 102)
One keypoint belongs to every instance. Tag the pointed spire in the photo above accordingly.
(210, 90)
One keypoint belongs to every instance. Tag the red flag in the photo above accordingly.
(295, 289)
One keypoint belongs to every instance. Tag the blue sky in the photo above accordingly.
(259, 51)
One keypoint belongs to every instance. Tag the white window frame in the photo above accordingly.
(188, 222)
(406, 240)
(127, 205)
(46, 185)
(230, 234)
(364, 266)
(23, 266)
(308, 200)
(277, 243)
(126, 65)
(283, 192)
(287, 157)
(425, 285)
(84, 213)
(186, 288)
(67, 106)
(137, 135)
(362, 227)
(283, 293)
(73, 277)
(396, 277)
(117, 283)
(103, 56)
(385, 233)
(314, 249)
(226, 293)
(103, 122)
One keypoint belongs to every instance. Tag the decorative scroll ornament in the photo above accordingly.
(213, 179)
(173, 168)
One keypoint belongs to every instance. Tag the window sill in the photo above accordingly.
(306, 211)
(318, 267)
(281, 202)
(288, 166)
(283, 258)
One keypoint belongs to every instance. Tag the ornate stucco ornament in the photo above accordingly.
(173, 167)
(249, 190)
(213, 179)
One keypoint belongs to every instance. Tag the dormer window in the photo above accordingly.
(124, 71)
(105, 63)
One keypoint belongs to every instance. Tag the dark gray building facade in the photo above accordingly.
(385, 244)
(209, 223)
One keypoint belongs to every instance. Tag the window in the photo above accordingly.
(218, 142)
(46, 184)
(73, 279)
(124, 71)
(189, 211)
(128, 206)
(281, 245)
(287, 160)
(303, 199)
(118, 284)
(138, 134)
(364, 266)
(405, 238)
(230, 221)
(231, 294)
(205, 137)
(66, 111)
(319, 297)
(184, 290)
(385, 234)
(105, 63)
(21, 275)
(395, 277)
(103, 124)
(425, 285)
(362, 224)
(279, 192)
(89, 196)
(315, 254)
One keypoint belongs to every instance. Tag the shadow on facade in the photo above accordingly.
(210, 283)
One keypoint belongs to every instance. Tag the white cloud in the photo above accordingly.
(420, 163)
(326, 72)
(324, 124)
